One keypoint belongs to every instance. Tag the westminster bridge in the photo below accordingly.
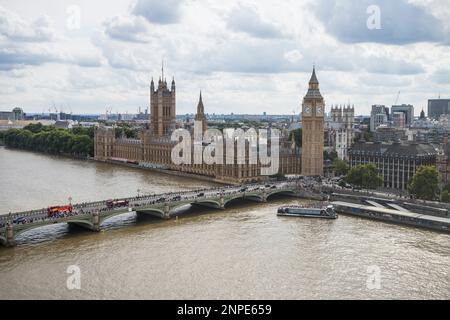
(165, 206)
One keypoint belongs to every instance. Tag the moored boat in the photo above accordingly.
(320, 210)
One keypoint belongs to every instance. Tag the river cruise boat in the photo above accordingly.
(317, 210)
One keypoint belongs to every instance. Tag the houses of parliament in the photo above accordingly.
(153, 147)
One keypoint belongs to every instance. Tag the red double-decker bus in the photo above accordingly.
(52, 211)
(116, 203)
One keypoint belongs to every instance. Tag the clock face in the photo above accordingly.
(308, 110)
(319, 110)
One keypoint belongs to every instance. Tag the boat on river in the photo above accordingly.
(316, 210)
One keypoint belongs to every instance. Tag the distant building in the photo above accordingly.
(378, 116)
(438, 107)
(396, 162)
(340, 129)
(15, 115)
(399, 119)
(443, 161)
(407, 110)
(386, 133)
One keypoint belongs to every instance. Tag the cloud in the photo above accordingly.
(384, 65)
(17, 57)
(441, 76)
(246, 19)
(158, 11)
(15, 28)
(127, 28)
(401, 22)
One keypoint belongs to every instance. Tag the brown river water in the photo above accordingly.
(243, 252)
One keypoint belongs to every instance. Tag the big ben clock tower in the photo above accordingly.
(312, 124)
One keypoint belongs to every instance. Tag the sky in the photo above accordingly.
(245, 56)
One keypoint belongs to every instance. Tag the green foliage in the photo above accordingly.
(365, 135)
(446, 188)
(125, 131)
(330, 155)
(341, 167)
(36, 137)
(365, 175)
(445, 196)
(425, 183)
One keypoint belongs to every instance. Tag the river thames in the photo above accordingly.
(243, 252)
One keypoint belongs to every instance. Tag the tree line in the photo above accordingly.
(78, 141)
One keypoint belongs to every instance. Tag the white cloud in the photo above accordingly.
(157, 11)
(247, 56)
(246, 19)
(127, 28)
(14, 28)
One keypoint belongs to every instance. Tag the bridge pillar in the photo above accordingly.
(10, 241)
(222, 202)
(166, 211)
(264, 196)
(95, 221)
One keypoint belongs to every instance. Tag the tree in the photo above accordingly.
(364, 175)
(330, 155)
(341, 167)
(425, 183)
(445, 196)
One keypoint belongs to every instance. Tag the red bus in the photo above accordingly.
(52, 211)
(116, 203)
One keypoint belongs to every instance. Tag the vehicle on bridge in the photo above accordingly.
(19, 220)
(56, 210)
(111, 204)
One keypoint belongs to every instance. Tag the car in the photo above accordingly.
(273, 187)
(19, 220)
(243, 190)
(201, 194)
(176, 198)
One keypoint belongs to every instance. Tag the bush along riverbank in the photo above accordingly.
(77, 142)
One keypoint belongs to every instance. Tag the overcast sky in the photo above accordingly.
(245, 56)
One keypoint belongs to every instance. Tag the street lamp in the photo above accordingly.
(138, 191)
(70, 200)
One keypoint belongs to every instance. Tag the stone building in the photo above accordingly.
(313, 129)
(341, 129)
(153, 148)
(443, 161)
(396, 162)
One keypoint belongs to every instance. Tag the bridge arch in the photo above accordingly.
(30, 227)
(254, 197)
(281, 193)
(82, 223)
(156, 212)
(208, 203)
(111, 215)
(233, 199)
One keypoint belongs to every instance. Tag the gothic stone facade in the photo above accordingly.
(154, 146)
(313, 130)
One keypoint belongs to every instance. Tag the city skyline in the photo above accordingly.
(245, 57)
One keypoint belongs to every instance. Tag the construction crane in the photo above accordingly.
(396, 100)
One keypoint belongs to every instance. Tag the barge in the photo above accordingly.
(394, 216)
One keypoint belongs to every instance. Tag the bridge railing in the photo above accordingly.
(151, 197)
